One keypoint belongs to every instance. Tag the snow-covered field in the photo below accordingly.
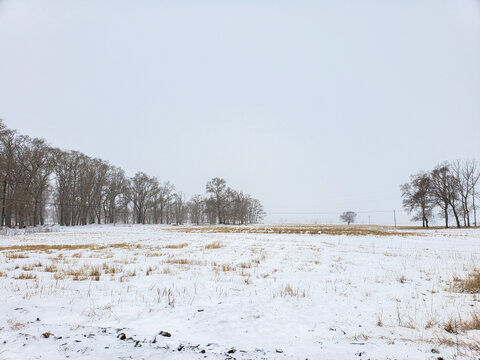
(108, 292)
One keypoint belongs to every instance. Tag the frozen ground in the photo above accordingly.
(107, 292)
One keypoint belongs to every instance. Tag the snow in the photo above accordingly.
(281, 296)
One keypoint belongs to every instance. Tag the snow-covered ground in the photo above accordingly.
(108, 292)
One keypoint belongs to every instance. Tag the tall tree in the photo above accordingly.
(217, 188)
(418, 198)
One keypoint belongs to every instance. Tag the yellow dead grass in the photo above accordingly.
(355, 230)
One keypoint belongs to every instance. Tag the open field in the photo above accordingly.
(258, 292)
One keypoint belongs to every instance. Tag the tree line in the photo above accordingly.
(38, 182)
(450, 190)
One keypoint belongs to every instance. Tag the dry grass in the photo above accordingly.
(355, 230)
(16, 256)
(183, 262)
(470, 285)
(51, 268)
(454, 326)
(26, 276)
(245, 265)
(85, 272)
(15, 325)
(224, 267)
(214, 245)
(176, 246)
(288, 291)
(111, 269)
(59, 276)
(53, 247)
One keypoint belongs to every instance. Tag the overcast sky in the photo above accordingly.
(310, 106)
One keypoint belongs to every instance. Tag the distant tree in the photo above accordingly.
(418, 198)
(446, 192)
(196, 208)
(473, 183)
(141, 186)
(38, 182)
(217, 188)
(465, 174)
(179, 208)
(348, 217)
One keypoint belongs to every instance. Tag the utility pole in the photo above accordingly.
(394, 218)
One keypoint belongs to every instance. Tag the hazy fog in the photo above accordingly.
(310, 106)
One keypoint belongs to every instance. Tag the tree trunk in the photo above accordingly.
(474, 209)
(446, 215)
(2, 216)
(456, 217)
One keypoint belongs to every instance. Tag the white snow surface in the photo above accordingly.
(257, 296)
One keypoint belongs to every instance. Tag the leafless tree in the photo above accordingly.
(475, 168)
(418, 198)
(82, 190)
(141, 186)
(348, 217)
(196, 208)
(440, 180)
(217, 188)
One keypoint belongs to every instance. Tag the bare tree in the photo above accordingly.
(140, 187)
(217, 188)
(196, 208)
(473, 184)
(348, 217)
(85, 190)
(179, 208)
(440, 180)
(417, 197)
(462, 173)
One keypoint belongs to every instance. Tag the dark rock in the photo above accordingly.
(232, 351)
(165, 333)
(279, 351)
(180, 347)
(47, 334)
(122, 336)
(202, 351)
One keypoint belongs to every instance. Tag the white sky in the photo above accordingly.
(310, 106)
